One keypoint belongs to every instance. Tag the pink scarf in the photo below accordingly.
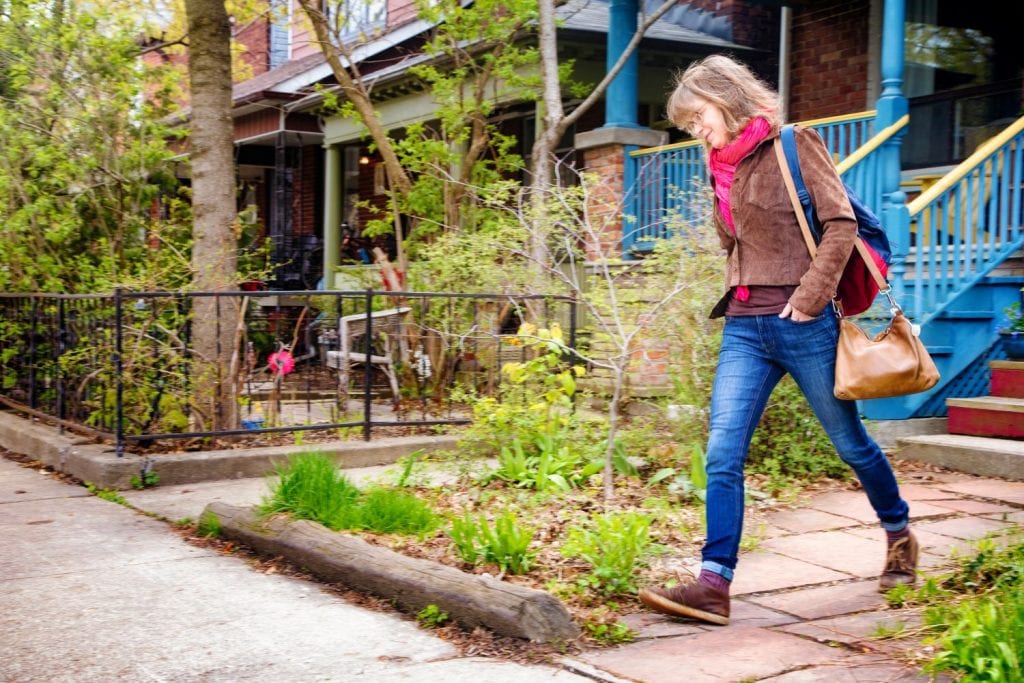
(723, 162)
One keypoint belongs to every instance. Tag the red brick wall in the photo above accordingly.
(255, 36)
(829, 59)
(605, 203)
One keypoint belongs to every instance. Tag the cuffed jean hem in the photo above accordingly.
(716, 568)
(896, 526)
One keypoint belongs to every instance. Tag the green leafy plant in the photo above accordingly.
(106, 494)
(209, 525)
(505, 543)
(1014, 318)
(408, 463)
(616, 545)
(975, 613)
(431, 616)
(615, 633)
(146, 479)
(686, 485)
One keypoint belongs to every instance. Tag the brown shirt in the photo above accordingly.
(765, 300)
(768, 247)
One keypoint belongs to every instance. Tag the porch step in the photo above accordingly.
(1003, 458)
(997, 416)
(1007, 378)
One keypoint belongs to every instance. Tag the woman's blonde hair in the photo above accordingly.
(731, 86)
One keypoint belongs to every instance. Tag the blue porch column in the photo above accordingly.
(605, 150)
(620, 103)
(891, 107)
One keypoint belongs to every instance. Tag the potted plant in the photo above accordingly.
(1012, 333)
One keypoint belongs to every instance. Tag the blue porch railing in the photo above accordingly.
(668, 184)
(965, 225)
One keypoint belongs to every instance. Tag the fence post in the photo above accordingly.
(118, 380)
(368, 366)
(32, 353)
(62, 345)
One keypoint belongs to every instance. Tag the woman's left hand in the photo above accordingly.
(797, 316)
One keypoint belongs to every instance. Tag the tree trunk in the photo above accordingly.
(214, 248)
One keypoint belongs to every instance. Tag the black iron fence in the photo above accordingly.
(135, 368)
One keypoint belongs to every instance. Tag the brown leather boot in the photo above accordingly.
(900, 564)
(695, 600)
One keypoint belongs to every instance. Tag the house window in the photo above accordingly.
(280, 33)
(350, 19)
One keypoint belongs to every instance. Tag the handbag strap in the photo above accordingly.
(812, 247)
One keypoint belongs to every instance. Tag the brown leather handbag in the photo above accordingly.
(893, 362)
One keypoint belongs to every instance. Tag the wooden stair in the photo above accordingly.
(1001, 413)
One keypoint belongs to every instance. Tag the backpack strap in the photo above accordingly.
(794, 194)
(788, 137)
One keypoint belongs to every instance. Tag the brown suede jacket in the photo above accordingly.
(768, 248)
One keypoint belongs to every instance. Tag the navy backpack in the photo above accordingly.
(857, 289)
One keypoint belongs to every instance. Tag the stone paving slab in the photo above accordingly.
(1016, 517)
(919, 492)
(804, 520)
(994, 489)
(724, 654)
(767, 571)
(859, 669)
(972, 507)
(763, 570)
(936, 549)
(856, 628)
(648, 625)
(825, 601)
(836, 550)
(966, 528)
(851, 504)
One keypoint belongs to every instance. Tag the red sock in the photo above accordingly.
(716, 581)
(893, 536)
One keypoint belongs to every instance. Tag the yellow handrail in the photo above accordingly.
(966, 166)
(839, 119)
(664, 148)
(871, 145)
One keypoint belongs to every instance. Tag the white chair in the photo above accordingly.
(352, 343)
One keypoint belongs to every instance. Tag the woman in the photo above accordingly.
(778, 319)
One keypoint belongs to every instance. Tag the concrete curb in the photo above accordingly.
(99, 465)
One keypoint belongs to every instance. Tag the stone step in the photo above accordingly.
(996, 416)
(1007, 378)
(1003, 458)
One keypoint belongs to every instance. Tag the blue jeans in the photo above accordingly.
(756, 352)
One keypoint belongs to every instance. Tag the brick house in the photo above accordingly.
(853, 65)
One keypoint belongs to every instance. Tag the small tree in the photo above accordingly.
(624, 302)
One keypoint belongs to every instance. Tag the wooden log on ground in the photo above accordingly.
(409, 582)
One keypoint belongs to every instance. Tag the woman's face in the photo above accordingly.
(708, 124)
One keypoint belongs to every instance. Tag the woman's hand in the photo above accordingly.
(797, 316)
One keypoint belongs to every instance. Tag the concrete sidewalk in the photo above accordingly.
(90, 590)
(94, 591)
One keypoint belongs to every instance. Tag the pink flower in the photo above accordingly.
(281, 362)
